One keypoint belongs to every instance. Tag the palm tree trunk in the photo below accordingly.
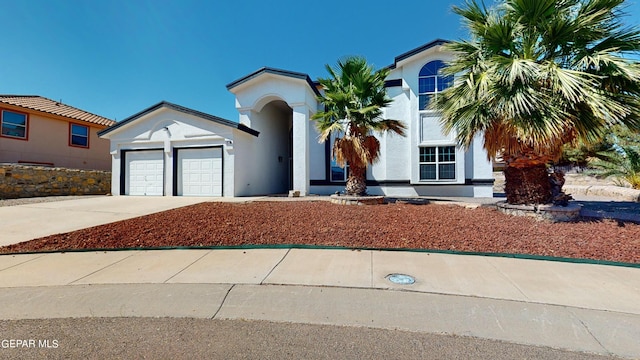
(357, 182)
(527, 184)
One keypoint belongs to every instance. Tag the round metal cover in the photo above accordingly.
(401, 279)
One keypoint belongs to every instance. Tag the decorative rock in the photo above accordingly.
(552, 213)
(356, 200)
(294, 193)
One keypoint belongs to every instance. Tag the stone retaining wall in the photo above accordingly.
(612, 192)
(553, 213)
(583, 185)
(356, 200)
(24, 181)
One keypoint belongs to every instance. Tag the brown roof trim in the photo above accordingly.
(44, 105)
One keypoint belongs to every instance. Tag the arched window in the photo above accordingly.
(431, 82)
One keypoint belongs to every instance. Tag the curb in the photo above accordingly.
(344, 248)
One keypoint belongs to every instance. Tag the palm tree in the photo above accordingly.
(538, 74)
(621, 162)
(353, 99)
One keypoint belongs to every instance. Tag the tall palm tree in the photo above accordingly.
(353, 99)
(537, 74)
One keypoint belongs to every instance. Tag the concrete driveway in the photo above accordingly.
(26, 222)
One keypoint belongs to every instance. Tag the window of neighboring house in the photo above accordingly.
(437, 163)
(14, 124)
(79, 135)
(431, 82)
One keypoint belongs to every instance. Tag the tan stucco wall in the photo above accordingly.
(48, 142)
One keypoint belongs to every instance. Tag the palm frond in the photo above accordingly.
(353, 100)
(538, 74)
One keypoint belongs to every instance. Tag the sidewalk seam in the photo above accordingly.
(188, 266)
(102, 268)
(371, 252)
(508, 279)
(224, 299)
(590, 333)
(274, 267)
(24, 262)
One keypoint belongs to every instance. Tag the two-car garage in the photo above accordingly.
(170, 150)
(196, 172)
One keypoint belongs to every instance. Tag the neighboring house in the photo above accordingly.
(171, 150)
(37, 130)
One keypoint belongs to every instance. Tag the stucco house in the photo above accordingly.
(37, 130)
(273, 147)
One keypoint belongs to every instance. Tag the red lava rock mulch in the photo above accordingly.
(434, 227)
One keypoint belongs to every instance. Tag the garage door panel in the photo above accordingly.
(144, 173)
(200, 172)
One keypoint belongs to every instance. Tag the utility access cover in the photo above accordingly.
(401, 279)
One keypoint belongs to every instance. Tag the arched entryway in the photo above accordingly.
(278, 104)
(277, 131)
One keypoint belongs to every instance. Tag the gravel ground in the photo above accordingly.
(391, 226)
(165, 338)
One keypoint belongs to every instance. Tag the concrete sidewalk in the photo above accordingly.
(578, 307)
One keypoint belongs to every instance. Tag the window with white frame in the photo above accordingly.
(79, 135)
(437, 163)
(14, 124)
(431, 82)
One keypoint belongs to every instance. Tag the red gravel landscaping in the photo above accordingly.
(397, 226)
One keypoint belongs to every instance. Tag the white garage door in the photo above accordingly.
(200, 172)
(145, 171)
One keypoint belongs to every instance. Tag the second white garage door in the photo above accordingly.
(200, 172)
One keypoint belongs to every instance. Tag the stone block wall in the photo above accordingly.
(23, 181)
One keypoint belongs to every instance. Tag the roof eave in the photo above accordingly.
(182, 109)
(274, 71)
(419, 49)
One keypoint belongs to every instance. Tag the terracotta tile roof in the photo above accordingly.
(49, 106)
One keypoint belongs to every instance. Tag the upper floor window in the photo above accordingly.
(78, 135)
(431, 82)
(14, 124)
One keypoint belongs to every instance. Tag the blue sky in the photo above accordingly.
(117, 57)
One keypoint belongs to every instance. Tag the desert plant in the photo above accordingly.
(621, 162)
(578, 152)
(353, 99)
(537, 75)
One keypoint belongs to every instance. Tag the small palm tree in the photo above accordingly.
(353, 99)
(621, 162)
(536, 75)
